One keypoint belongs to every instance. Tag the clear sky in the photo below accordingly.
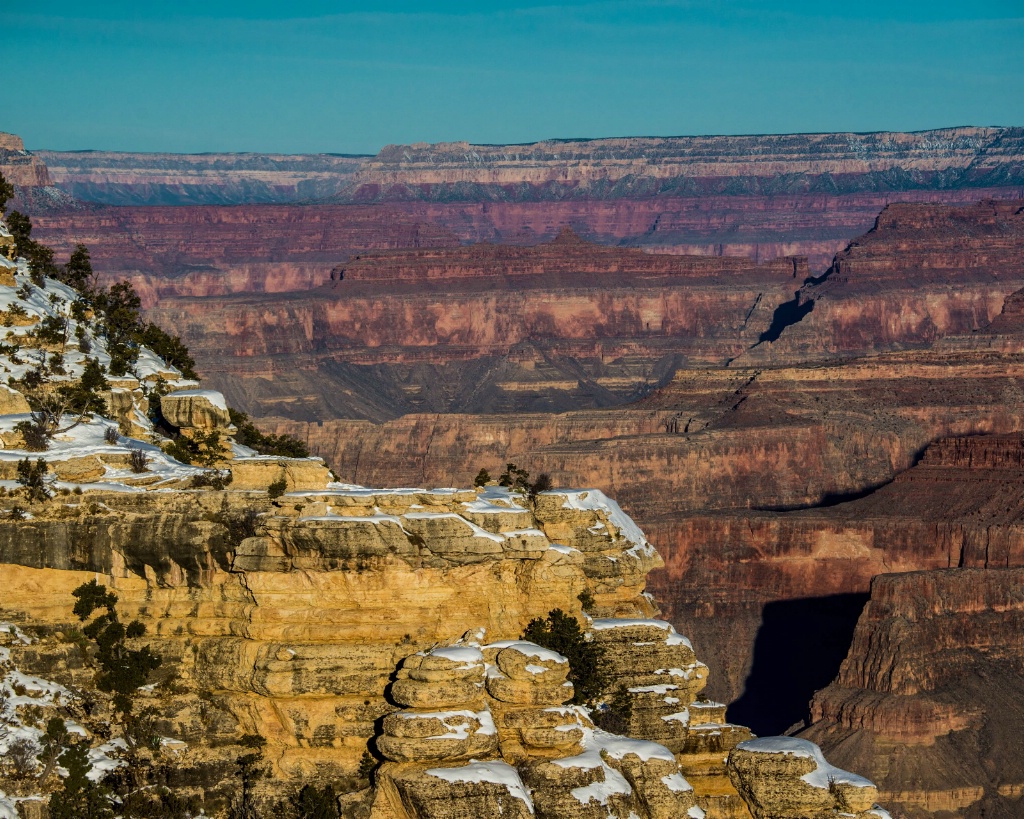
(296, 77)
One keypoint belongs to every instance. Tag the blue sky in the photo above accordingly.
(352, 77)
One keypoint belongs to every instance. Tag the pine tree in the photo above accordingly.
(562, 633)
(77, 271)
(80, 797)
(6, 193)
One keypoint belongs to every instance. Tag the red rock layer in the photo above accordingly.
(928, 701)
(213, 251)
(923, 272)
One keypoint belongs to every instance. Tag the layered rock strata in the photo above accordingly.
(786, 778)
(297, 629)
(293, 634)
(927, 701)
(18, 166)
(568, 323)
(713, 164)
(487, 327)
(121, 178)
(523, 754)
(922, 273)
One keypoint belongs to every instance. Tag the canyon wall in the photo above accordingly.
(928, 700)
(550, 327)
(350, 621)
(124, 178)
(636, 167)
(755, 196)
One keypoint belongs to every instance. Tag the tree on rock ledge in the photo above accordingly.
(562, 633)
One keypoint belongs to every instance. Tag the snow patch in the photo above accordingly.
(824, 772)
(498, 773)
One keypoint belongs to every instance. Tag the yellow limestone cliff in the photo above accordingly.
(332, 618)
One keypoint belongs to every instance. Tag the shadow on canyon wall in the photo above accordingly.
(799, 648)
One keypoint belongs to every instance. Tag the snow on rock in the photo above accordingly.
(672, 638)
(456, 723)
(498, 773)
(25, 690)
(821, 776)
(530, 650)
(594, 500)
(215, 398)
(466, 658)
(8, 810)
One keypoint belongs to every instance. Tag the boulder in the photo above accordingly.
(12, 402)
(205, 410)
(298, 474)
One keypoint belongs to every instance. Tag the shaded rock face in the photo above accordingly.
(928, 700)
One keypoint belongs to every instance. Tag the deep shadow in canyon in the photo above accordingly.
(798, 650)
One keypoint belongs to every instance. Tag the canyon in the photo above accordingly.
(791, 429)
(755, 196)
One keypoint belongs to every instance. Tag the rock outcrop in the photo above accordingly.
(928, 700)
(288, 619)
(486, 727)
(18, 166)
(788, 778)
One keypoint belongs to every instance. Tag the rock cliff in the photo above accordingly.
(620, 168)
(294, 634)
(929, 695)
(120, 178)
(488, 327)
(922, 273)
(20, 167)
(714, 164)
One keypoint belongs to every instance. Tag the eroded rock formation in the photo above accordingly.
(928, 700)
(293, 633)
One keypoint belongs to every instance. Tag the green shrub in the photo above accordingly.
(277, 488)
(32, 476)
(483, 477)
(284, 446)
(516, 479)
(35, 432)
(170, 348)
(315, 803)
(614, 716)
(562, 633)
